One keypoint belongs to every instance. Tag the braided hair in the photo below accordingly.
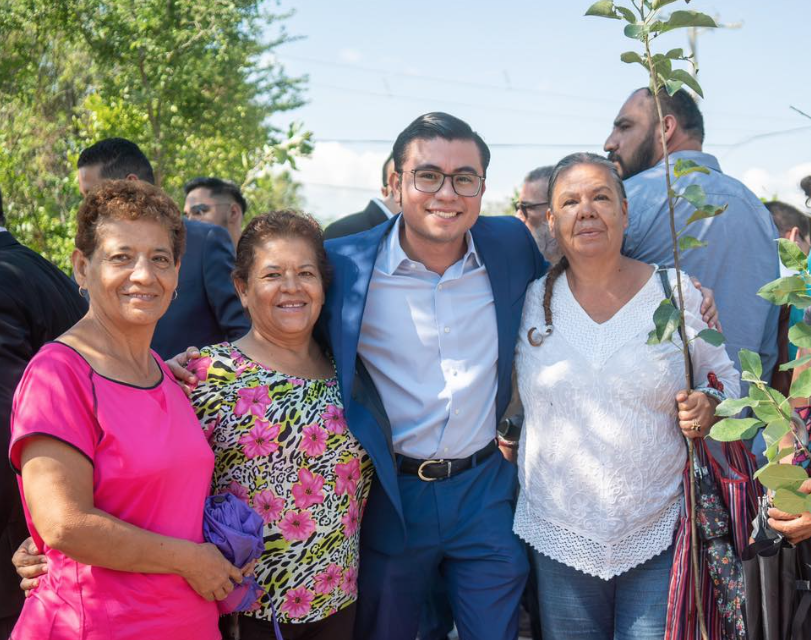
(570, 161)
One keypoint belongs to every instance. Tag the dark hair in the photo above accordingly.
(570, 161)
(2, 213)
(385, 174)
(128, 200)
(682, 106)
(437, 125)
(574, 159)
(118, 158)
(787, 217)
(805, 185)
(280, 224)
(541, 173)
(218, 187)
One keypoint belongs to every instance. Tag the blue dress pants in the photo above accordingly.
(462, 528)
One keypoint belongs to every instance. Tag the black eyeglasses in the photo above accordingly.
(430, 181)
(525, 207)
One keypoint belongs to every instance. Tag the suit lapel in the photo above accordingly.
(498, 274)
(355, 286)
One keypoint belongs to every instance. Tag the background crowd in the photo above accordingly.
(359, 396)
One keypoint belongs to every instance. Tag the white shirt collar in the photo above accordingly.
(383, 207)
(2, 228)
(394, 255)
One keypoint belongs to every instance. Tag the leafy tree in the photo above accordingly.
(193, 83)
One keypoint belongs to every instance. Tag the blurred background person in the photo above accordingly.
(378, 210)
(792, 224)
(531, 208)
(218, 202)
(207, 309)
(37, 303)
(114, 468)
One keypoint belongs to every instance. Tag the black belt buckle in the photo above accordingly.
(426, 462)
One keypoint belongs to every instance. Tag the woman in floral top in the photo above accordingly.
(271, 408)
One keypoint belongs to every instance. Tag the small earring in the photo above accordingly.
(82, 292)
(174, 295)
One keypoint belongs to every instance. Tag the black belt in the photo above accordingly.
(440, 469)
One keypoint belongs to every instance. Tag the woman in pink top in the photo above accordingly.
(114, 468)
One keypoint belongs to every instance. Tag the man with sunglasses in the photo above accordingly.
(531, 209)
(423, 315)
(218, 202)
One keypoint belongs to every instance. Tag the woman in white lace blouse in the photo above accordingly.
(602, 450)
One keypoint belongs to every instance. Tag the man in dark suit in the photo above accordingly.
(376, 212)
(37, 303)
(423, 314)
(207, 309)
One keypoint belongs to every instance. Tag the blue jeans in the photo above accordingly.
(577, 606)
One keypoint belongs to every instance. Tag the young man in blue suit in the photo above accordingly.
(423, 317)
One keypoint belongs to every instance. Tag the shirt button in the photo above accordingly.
(447, 329)
(456, 412)
(440, 288)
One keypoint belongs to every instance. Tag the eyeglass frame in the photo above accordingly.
(413, 173)
(520, 205)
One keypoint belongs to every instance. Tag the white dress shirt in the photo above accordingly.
(430, 343)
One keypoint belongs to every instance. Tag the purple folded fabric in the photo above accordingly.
(236, 530)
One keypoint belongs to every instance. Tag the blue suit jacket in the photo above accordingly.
(207, 309)
(512, 260)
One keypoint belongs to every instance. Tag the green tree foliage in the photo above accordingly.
(192, 82)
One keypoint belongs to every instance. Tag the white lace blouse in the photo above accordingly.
(601, 456)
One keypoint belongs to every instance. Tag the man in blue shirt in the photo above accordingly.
(740, 256)
(423, 315)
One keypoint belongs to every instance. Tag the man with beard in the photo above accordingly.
(740, 257)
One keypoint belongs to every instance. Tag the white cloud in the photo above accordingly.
(783, 185)
(339, 179)
(351, 56)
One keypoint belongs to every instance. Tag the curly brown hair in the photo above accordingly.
(285, 223)
(128, 200)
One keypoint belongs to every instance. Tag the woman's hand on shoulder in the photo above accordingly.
(209, 573)
(709, 312)
(177, 365)
(696, 413)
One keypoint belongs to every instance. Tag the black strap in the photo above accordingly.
(800, 616)
(682, 332)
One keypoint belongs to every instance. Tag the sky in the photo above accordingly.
(537, 80)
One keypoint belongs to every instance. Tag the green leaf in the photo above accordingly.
(666, 321)
(695, 195)
(732, 406)
(630, 57)
(684, 166)
(707, 211)
(689, 242)
(681, 19)
(801, 387)
(635, 31)
(658, 4)
(780, 291)
(750, 362)
(671, 85)
(603, 9)
(765, 408)
(790, 501)
(711, 336)
(662, 65)
(800, 335)
(791, 255)
(676, 54)
(732, 429)
(774, 431)
(799, 362)
(775, 454)
(629, 15)
(778, 476)
(688, 79)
